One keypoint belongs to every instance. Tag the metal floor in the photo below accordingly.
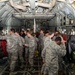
(69, 69)
(4, 69)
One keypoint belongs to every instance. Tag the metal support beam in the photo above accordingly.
(34, 25)
(30, 16)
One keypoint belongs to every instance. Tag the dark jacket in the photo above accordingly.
(71, 48)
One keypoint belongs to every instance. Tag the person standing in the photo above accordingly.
(61, 43)
(50, 55)
(12, 48)
(31, 46)
(41, 42)
(26, 39)
(20, 49)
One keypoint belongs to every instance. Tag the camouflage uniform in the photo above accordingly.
(31, 46)
(50, 55)
(36, 42)
(20, 48)
(41, 43)
(60, 58)
(12, 49)
(26, 48)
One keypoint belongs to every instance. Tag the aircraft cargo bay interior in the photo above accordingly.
(37, 37)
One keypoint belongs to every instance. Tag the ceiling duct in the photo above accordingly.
(30, 16)
(46, 5)
(21, 7)
(66, 8)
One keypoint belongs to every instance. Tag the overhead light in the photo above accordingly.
(72, 21)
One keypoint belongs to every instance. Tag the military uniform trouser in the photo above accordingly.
(40, 49)
(26, 52)
(53, 73)
(31, 57)
(20, 54)
(13, 56)
(46, 71)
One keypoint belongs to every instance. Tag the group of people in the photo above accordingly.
(52, 54)
(51, 48)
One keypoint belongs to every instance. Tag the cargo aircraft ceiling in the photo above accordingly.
(12, 12)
